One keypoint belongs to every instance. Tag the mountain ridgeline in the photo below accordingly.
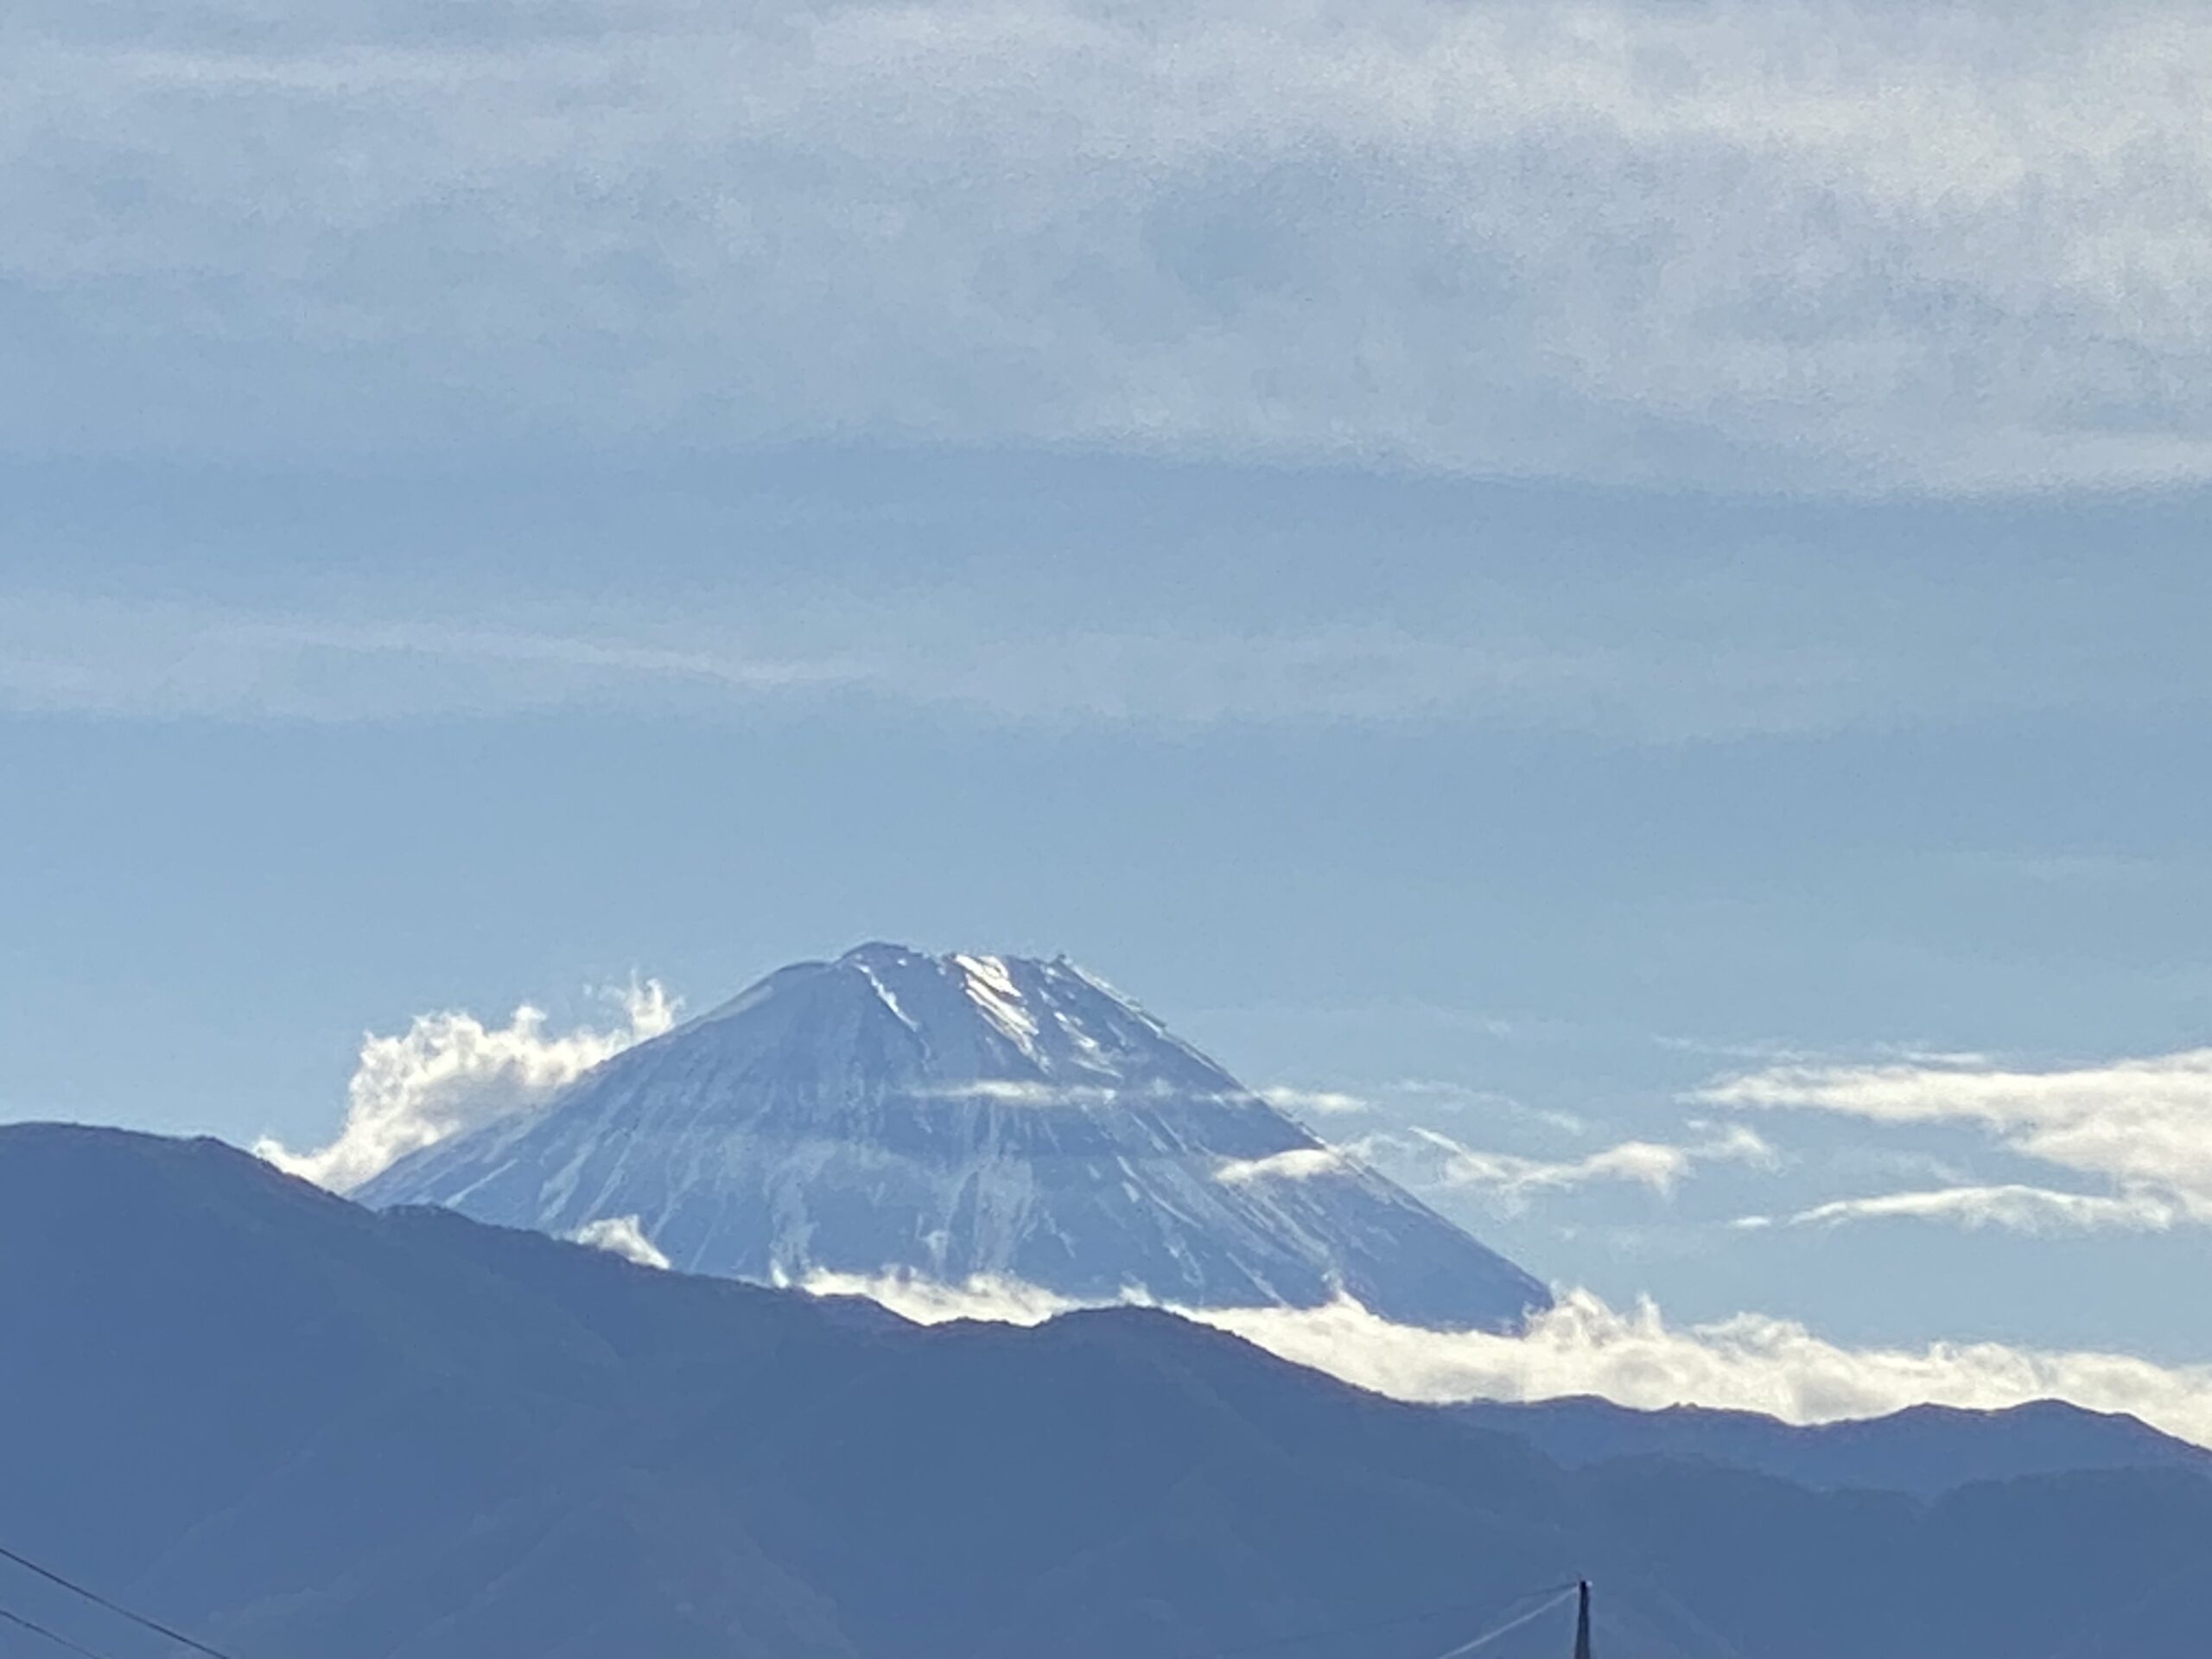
(955, 1116)
(290, 1425)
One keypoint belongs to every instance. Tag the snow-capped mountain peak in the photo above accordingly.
(955, 1115)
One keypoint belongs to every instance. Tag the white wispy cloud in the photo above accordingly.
(1839, 239)
(449, 1072)
(2141, 1126)
(1022, 1091)
(1298, 1164)
(1323, 1102)
(1429, 1157)
(1025, 1091)
(2014, 1206)
(1635, 1357)
(1430, 1094)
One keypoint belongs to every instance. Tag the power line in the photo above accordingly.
(115, 1607)
(37, 1629)
(1554, 1594)
(1400, 1621)
(1510, 1626)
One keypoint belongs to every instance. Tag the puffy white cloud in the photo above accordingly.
(1751, 1361)
(1868, 243)
(2143, 1126)
(448, 1072)
(1582, 1346)
(928, 1301)
(621, 1235)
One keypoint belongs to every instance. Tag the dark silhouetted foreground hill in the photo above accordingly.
(301, 1427)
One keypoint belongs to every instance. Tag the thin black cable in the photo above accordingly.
(59, 1639)
(1497, 1630)
(1555, 1592)
(115, 1607)
(1392, 1623)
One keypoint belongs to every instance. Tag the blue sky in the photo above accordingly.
(1538, 568)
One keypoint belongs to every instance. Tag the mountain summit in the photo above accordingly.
(954, 1116)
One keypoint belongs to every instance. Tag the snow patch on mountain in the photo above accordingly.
(959, 1116)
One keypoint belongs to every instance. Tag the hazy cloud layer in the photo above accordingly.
(169, 660)
(78, 655)
(1635, 1357)
(449, 1072)
(1562, 635)
(1841, 241)
(2142, 1127)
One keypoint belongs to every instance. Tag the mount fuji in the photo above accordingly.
(957, 1116)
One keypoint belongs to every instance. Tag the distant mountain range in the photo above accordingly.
(1924, 1450)
(957, 1116)
(294, 1425)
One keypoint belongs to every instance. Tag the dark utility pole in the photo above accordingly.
(1582, 1621)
